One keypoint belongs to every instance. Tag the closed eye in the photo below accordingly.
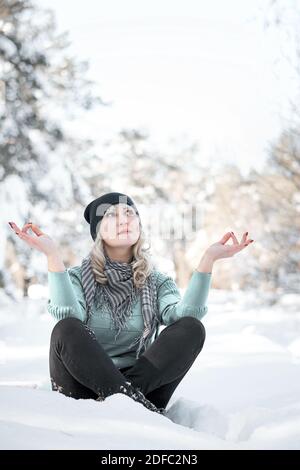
(130, 211)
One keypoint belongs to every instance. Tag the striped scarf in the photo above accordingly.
(119, 295)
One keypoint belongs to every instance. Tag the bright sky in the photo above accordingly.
(186, 69)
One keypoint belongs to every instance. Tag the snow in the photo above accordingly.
(242, 392)
(14, 207)
(8, 48)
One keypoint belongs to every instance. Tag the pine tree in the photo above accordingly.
(42, 87)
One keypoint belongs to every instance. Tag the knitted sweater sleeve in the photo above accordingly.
(193, 303)
(66, 296)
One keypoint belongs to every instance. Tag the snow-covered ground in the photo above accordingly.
(243, 391)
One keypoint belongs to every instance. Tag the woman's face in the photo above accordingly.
(120, 226)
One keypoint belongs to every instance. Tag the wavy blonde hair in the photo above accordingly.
(142, 264)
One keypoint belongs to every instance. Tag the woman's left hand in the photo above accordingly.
(221, 250)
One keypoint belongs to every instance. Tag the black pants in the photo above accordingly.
(80, 368)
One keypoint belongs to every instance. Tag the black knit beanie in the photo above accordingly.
(96, 209)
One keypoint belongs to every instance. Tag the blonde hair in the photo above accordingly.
(142, 264)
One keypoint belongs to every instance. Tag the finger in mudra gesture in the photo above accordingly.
(38, 239)
(222, 249)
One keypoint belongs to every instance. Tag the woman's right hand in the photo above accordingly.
(39, 240)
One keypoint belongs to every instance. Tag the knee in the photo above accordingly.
(195, 328)
(65, 327)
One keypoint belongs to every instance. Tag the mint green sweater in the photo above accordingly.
(66, 299)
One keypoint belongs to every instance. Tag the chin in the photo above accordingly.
(119, 243)
(131, 237)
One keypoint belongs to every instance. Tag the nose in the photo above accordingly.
(122, 222)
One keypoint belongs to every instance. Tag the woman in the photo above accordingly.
(110, 308)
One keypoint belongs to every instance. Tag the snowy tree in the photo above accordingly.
(280, 203)
(279, 185)
(266, 204)
(43, 89)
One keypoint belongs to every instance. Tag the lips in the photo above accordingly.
(124, 231)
